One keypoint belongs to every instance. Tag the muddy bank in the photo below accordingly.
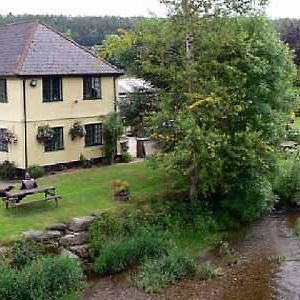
(257, 275)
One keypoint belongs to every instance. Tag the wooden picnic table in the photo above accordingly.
(14, 198)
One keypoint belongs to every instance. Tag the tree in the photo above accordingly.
(112, 131)
(226, 104)
(136, 107)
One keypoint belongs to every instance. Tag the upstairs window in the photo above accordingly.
(91, 88)
(52, 89)
(3, 91)
(56, 143)
(3, 144)
(93, 134)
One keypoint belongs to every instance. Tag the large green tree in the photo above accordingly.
(226, 84)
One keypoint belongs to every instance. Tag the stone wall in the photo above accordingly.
(68, 239)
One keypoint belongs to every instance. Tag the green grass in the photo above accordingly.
(83, 192)
(297, 122)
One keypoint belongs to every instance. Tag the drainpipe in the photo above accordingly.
(115, 95)
(25, 124)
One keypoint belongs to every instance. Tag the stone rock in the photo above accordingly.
(42, 236)
(74, 239)
(33, 235)
(82, 251)
(66, 253)
(60, 227)
(52, 234)
(81, 224)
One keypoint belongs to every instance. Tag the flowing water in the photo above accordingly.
(268, 268)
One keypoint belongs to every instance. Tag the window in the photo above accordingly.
(93, 134)
(91, 88)
(57, 142)
(3, 91)
(52, 89)
(3, 144)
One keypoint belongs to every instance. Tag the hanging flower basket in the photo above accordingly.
(8, 137)
(77, 131)
(44, 134)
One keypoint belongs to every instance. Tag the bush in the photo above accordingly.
(10, 283)
(52, 277)
(156, 274)
(44, 279)
(112, 131)
(101, 230)
(24, 252)
(124, 251)
(8, 170)
(286, 181)
(36, 171)
(250, 199)
(126, 157)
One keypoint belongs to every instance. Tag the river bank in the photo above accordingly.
(267, 268)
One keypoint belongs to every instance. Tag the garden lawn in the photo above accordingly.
(83, 192)
(297, 122)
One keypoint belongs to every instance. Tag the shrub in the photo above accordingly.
(36, 171)
(103, 228)
(44, 279)
(8, 170)
(250, 199)
(112, 131)
(24, 252)
(10, 283)
(124, 251)
(156, 274)
(126, 157)
(286, 181)
(52, 278)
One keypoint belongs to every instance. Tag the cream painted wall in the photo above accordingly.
(13, 109)
(73, 105)
(62, 113)
(72, 149)
(16, 151)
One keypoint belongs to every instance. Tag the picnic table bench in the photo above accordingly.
(14, 198)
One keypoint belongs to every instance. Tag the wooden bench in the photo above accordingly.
(14, 199)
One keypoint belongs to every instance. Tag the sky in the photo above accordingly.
(277, 8)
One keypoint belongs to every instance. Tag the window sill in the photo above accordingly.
(56, 150)
(91, 99)
(52, 101)
(95, 145)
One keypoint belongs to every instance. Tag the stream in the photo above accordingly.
(268, 268)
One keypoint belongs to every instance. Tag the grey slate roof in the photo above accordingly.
(33, 48)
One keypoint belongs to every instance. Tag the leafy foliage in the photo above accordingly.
(124, 251)
(87, 31)
(36, 171)
(112, 131)
(8, 170)
(156, 274)
(222, 103)
(286, 180)
(47, 278)
(24, 252)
